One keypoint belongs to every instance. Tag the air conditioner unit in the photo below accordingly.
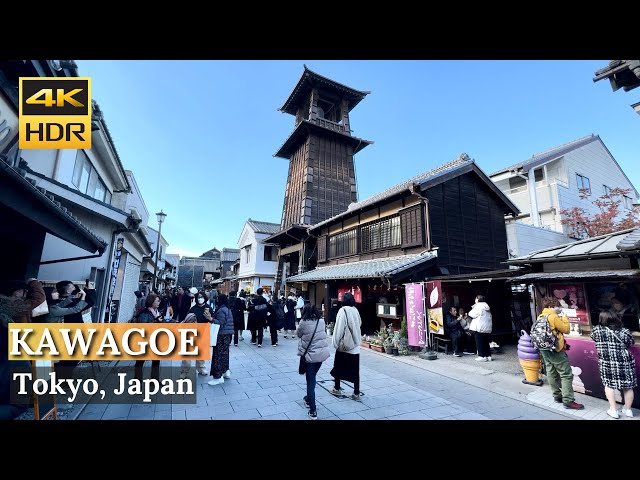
(135, 214)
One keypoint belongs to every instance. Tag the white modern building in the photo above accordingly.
(551, 181)
(258, 260)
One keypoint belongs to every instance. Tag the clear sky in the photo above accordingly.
(200, 135)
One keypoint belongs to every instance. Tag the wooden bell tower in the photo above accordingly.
(322, 180)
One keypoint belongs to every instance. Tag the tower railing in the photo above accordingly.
(323, 122)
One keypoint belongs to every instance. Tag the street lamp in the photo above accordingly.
(161, 216)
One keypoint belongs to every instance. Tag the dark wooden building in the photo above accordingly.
(321, 181)
(449, 220)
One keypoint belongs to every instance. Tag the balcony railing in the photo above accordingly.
(322, 122)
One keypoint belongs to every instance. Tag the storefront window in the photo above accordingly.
(620, 299)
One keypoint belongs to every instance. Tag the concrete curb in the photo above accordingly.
(490, 380)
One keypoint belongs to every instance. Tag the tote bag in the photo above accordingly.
(213, 338)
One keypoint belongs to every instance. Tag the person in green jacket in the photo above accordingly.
(556, 361)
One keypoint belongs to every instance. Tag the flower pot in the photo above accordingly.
(531, 369)
(377, 348)
(388, 350)
(395, 352)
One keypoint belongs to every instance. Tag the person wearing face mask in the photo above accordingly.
(204, 314)
(220, 353)
(58, 308)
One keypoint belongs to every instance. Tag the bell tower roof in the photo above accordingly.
(310, 80)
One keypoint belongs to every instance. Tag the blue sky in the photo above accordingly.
(200, 135)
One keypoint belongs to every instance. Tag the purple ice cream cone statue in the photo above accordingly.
(529, 360)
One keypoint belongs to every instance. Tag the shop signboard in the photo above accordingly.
(572, 302)
(434, 308)
(583, 359)
(414, 304)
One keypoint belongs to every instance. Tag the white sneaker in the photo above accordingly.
(488, 359)
(216, 381)
(613, 413)
(480, 359)
(227, 374)
(627, 412)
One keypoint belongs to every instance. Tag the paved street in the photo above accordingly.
(265, 385)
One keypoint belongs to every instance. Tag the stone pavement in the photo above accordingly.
(265, 385)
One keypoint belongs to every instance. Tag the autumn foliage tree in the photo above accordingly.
(608, 220)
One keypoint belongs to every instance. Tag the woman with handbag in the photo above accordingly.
(616, 364)
(220, 353)
(346, 341)
(313, 349)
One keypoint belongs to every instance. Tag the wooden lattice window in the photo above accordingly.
(322, 249)
(412, 227)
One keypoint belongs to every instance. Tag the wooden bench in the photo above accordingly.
(440, 342)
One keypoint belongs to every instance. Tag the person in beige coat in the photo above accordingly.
(346, 341)
(314, 341)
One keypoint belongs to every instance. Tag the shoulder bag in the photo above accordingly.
(626, 349)
(302, 368)
(342, 347)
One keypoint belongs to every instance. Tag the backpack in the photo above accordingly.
(542, 336)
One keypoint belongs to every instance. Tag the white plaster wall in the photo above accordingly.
(523, 238)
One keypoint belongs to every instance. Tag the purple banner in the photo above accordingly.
(414, 305)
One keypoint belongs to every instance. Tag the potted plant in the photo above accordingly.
(395, 344)
(388, 345)
(376, 344)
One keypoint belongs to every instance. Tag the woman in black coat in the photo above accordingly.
(150, 314)
(237, 307)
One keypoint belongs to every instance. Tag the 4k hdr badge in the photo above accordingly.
(55, 112)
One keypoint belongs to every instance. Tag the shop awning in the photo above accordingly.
(22, 196)
(583, 274)
(503, 274)
(376, 268)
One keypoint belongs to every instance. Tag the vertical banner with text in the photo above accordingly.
(434, 307)
(414, 305)
(114, 280)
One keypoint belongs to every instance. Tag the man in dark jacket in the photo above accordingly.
(67, 289)
(237, 308)
(258, 309)
(181, 305)
(455, 331)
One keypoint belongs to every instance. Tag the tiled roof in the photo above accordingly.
(630, 242)
(603, 245)
(550, 154)
(45, 199)
(577, 274)
(625, 73)
(309, 79)
(264, 227)
(379, 267)
(459, 162)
